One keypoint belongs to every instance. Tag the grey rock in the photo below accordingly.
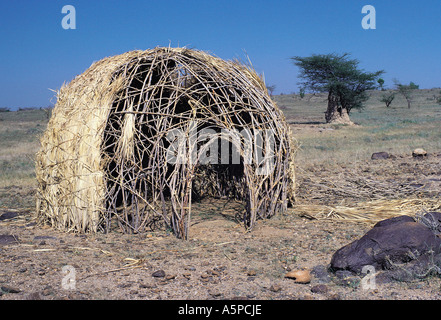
(320, 273)
(320, 288)
(158, 274)
(391, 241)
(6, 239)
(380, 156)
(7, 289)
(8, 215)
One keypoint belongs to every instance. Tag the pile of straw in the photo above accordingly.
(104, 154)
(369, 211)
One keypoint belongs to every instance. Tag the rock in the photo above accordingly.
(380, 155)
(7, 289)
(6, 239)
(432, 220)
(8, 215)
(170, 277)
(275, 288)
(158, 274)
(419, 153)
(44, 238)
(251, 273)
(334, 296)
(320, 273)
(299, 276)
(34, 296)
(346, 278)
(214, 293)
(307, 297)
(320, 288)
(391, 241)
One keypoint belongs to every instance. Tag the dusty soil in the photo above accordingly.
(221, 260)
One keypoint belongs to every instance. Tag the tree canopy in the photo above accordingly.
(339, 76)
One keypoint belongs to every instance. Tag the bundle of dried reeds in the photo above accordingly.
(136, 136)
(370, 211)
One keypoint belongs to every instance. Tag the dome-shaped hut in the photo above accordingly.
(137, 136)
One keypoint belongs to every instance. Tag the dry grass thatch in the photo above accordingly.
(370, 211)
(124, 143)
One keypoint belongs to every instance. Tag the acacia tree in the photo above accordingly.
(406, 90)
(387, 98)
(381, 83)
(271, 89)
(340, 77)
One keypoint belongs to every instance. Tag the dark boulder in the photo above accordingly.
(396, 240)
(380, 155)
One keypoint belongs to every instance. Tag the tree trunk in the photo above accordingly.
(336, 113)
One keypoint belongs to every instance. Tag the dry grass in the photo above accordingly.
(336, 178)
(370, 212)
(397, 130)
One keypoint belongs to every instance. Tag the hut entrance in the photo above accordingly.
(155, 130)
(164, 148)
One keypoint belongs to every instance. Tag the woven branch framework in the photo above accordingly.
(137, 136)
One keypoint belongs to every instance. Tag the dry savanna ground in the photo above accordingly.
(341, 193)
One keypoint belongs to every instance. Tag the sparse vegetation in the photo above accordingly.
(407, 90)
(387, 98)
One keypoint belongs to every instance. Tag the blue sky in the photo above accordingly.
(37, 54)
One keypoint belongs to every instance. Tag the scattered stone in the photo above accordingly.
(391, 241)
(307, 297)
(251, 273)
(213, 272)
(47, 291)
(239, 298)
(8, 215)
(170, 277)
(299, 276)
(275, 288)
(320, 273)
(7, 289)
(190, 268)
(419, 153)
(44, 238)
(347, 278)
(214, 293)
(34, 296)
(146, 286)
(380, 155)
(158, 274)
(334, 296)
(74, 296)
(320, 288)
(186, 275)
(6, 239)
